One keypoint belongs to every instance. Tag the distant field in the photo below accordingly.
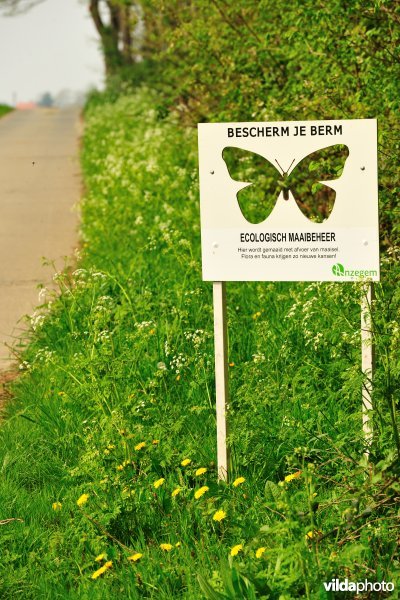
(4, 109)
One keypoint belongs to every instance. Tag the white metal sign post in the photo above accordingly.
(367, 361)
(221, 375)
(287, 201)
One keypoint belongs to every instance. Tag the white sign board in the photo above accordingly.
(289, 201)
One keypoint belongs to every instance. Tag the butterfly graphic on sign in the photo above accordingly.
(265, 182)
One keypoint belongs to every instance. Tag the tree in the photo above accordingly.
(46, 100)
(15, 7)
(117, 32)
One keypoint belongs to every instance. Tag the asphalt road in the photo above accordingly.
(39, 186)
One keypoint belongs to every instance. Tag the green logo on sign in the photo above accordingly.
(338, 269)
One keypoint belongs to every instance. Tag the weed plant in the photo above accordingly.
(108, 452)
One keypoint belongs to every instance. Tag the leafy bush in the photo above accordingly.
(252, 60)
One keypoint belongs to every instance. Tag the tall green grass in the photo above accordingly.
(115, 407)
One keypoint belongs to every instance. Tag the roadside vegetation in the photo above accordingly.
(4, 109)
(108, 450)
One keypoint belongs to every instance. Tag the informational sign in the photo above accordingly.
(289, 201)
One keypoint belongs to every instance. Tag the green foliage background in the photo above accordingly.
(261, 60)
(123, 356)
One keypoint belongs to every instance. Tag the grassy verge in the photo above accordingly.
(4, 109)
(108, 451)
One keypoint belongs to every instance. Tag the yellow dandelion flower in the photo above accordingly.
(152, 331)
(199, 493)
(292, 476)
(219, 515)
(140, 445)
(312, 534)
(260, 552)
(102, 570)
(99, 572)
(309, 535)
(178, 544)
(232, 364)
(155, 442)
(100, 557)
(186, 462)
(111, 446)
(236, 549)
(176, 492)
(166, 547)
(201, 471)
(57, 506)
(238, 481)
(178, 377)
(159, 482)
(106, 451)
(82, 499)
(135, 557)
(120, 468)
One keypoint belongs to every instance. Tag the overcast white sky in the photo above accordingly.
(49, 48)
